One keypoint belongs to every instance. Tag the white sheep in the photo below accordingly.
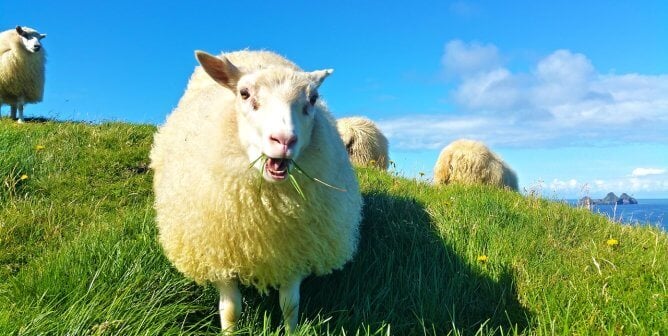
(366, 144)
(22, 59)
(226, 217)
(471, 162)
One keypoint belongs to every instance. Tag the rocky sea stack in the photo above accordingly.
(609, 199)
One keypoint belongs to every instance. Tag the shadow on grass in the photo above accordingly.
(406, 276)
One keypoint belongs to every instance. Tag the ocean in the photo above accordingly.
(646, 212)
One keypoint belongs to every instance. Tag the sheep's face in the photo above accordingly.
(30, 39)
(276, 110)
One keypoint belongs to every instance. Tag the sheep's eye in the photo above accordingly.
(244, 93)
(313, 99)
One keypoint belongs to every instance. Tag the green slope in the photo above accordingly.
(78, 255)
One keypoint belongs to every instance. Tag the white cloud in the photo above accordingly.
(434, 132)
(562, 101)
(493, 90)
(565, 67)
(639, 172)
(653, 184)
(421, 133)
(560, 78)
(571, 184)
(466, 59)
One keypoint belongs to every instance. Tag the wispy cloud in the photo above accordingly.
(464, 59)
(464, 8)
(571, 184)
(563, 100)
(641, 180)
(639, 172)
(435, 132)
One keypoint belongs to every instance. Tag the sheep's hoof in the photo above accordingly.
(20, 121)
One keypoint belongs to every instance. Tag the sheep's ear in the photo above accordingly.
(41, 36)
(319, 76)
(19, 30)
(220, 69)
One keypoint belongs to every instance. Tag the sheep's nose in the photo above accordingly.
(36, 48)
(283, 141)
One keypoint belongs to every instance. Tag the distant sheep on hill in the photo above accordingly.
(22, 61)
(247, 123)
(471, 162)
(366, 144)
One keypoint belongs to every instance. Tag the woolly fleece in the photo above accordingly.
(219, 220)
(21, 72)
(364, 141)
(471, 162)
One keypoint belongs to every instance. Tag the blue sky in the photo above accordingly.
(572, 94)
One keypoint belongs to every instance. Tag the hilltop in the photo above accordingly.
(79, 255)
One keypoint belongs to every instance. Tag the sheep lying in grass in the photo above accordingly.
(22, 61)
(366, 144)
(248, 122)
(468, 161)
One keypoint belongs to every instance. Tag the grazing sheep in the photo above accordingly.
(366, 144)
(22, 61)
(468, 161)
(225, 216)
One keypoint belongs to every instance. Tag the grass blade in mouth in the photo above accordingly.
(264, 159)
(295, 184)
(293, 180)
(262, 156)
(315, 179)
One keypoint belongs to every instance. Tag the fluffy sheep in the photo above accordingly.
(468, 161)
(22, 60)
(226, 217)
(366, 144)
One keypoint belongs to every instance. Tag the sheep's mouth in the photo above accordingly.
(277, 169)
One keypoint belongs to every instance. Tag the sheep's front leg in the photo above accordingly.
(12, 112)
(20, 121)
(229, 304)
(20, 104)
(288, 296)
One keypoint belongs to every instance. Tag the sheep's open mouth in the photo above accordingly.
(277, 168)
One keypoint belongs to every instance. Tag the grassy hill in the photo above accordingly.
(79, 255)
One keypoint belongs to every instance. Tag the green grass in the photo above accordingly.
(79, 255)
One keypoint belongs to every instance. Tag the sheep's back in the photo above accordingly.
(367, 144)
(468, 161)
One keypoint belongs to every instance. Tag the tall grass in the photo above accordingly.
(79, 256)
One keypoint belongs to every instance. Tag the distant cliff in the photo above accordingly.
(609, 199)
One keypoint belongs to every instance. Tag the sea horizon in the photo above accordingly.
(648, 211)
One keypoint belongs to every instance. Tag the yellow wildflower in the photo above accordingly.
(482, 259)
(612, 242)
(39, 147)
(24, 177)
